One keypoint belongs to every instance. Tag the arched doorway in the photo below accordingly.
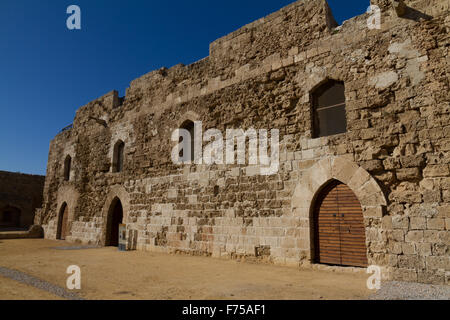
(10, 217)
(63, 218)
(339, 231)
(115, 218)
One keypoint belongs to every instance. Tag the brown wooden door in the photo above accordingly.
(352, 229)
(339, 227)
(64, 219)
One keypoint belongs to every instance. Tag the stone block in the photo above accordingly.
(408, 248)
(403, 274)
(408, 174)
(436, 171)
(359, 178)
(435, 224)
(400, 222)
(438, 263)
(414, 236)
(418, 223)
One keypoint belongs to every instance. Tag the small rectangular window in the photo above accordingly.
(329, 109)
(331, 121)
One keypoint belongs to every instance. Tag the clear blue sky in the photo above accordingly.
(47, 71)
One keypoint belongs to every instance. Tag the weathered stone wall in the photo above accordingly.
(21, 191)
(395, 155)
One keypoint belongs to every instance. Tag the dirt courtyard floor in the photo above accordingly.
(109, 274)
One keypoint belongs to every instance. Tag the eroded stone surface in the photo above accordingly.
(395, 154)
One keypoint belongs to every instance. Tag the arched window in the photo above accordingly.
(187, 153)
(329, 109)
(67, 167)
(118, 156)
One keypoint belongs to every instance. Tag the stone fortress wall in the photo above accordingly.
(20, 196)
(394, 156)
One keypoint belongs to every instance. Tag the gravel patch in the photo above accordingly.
(397, 290)
(38, 283)
(76, 248)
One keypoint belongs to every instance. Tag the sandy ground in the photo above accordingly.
(13, 290)
(109, 274)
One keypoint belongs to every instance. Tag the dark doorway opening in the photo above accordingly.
(10, 217)
(115, 218)
(67, 168)
(63, 218)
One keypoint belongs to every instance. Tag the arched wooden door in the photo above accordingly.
(62, 223)
(339, 231)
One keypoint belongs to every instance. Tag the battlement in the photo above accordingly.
(291, 33)
(20, 195)
(300, 23)
(294, 19)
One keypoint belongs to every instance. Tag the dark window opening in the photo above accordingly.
(67, 168)
(187, 153)
(329, 109)
(118, 157)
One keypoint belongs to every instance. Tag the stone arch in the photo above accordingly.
(116, 192)
(68, 195)
(189, 115)
(358, 179)
(319, 76)
(364, 186)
